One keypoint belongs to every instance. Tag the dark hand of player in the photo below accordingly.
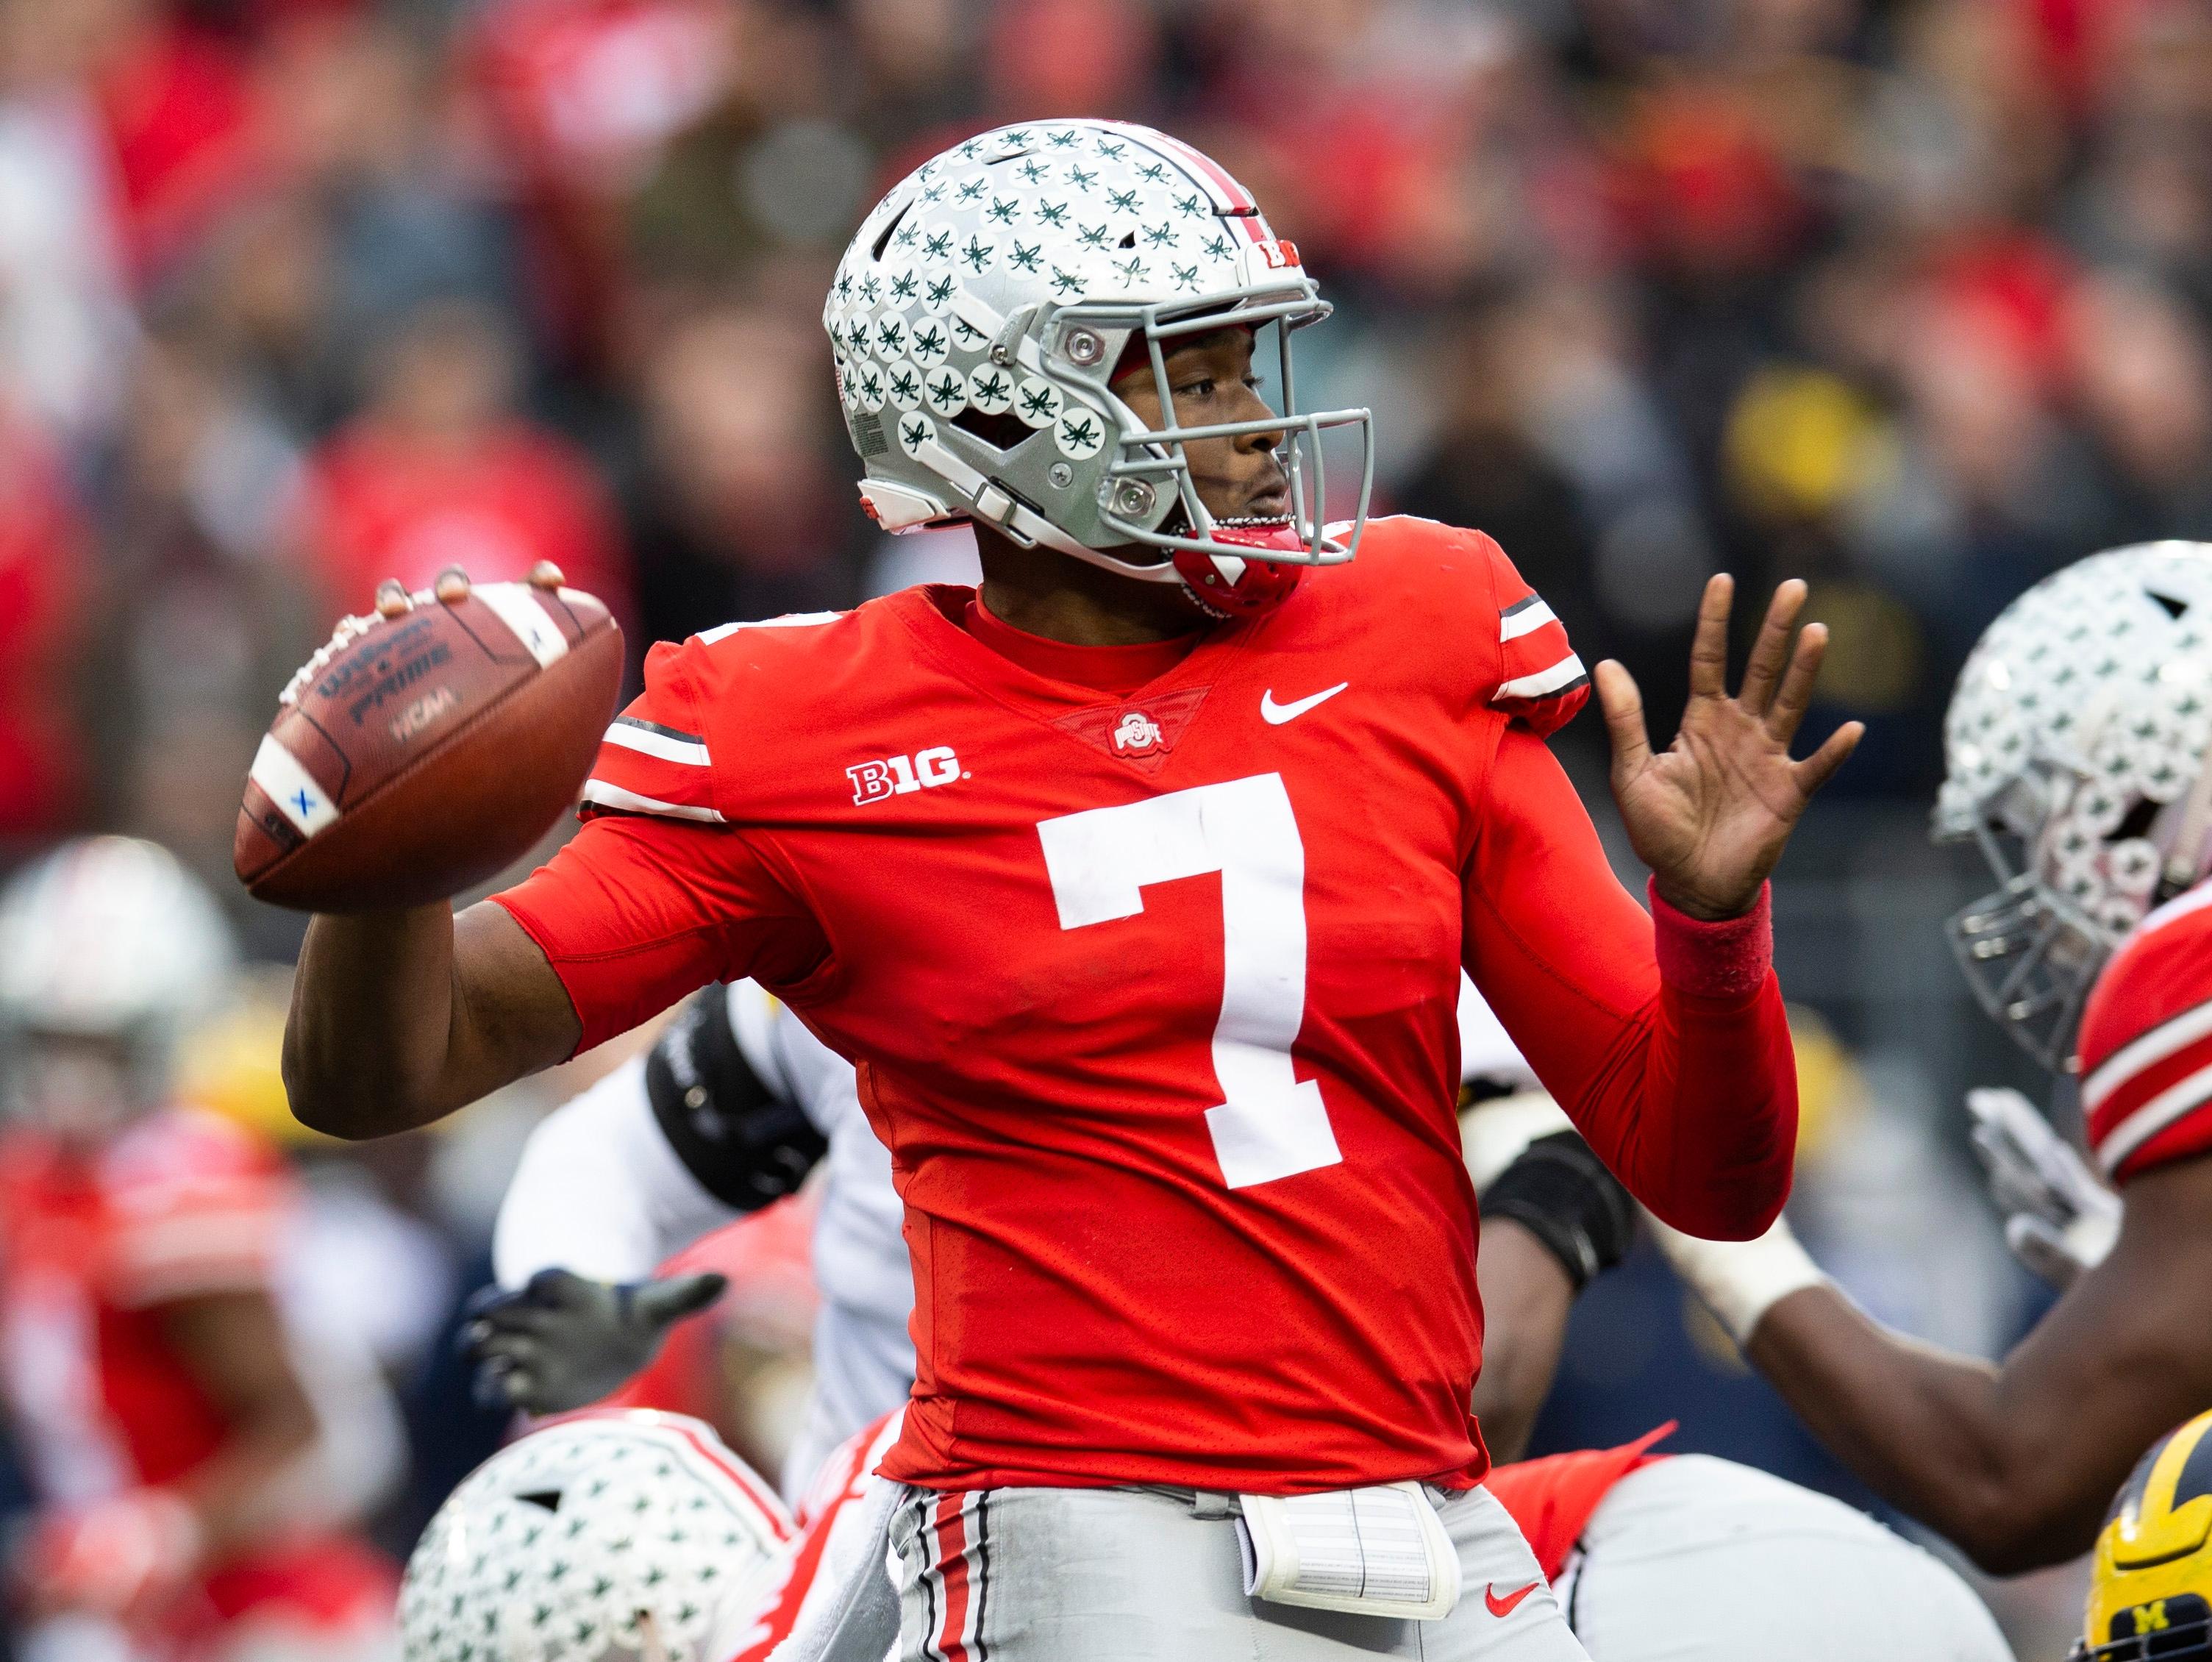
(563, 1342)
(1710, 813)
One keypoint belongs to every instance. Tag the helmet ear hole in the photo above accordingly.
(2136, 822)
(1001, 432)
(876, 252)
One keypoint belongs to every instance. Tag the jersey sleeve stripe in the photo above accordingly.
(2183, 1096)
(2175, 1033)
(676, 733)
(644, 774)
(789, 620)
(1546, 683)
(1523, 617)
(651, 739)
(598, 793)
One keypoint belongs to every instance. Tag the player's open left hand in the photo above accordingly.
(1710, 813)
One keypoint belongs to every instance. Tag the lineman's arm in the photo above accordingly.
(2016, 1463)
(711, 1124)
(716, 1120)
(1526, 1296)
(1552, 1219)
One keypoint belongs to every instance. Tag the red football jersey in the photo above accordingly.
(92, 1246)
(1148, 960)
(2146, 1045)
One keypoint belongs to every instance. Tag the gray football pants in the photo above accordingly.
(1154, 1575)
(1699, 1559)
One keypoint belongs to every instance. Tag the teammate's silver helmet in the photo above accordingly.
(629, 1536)
(110, 938)
(979, 311)
(2076, 750)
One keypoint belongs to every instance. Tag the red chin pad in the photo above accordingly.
(1262, 584)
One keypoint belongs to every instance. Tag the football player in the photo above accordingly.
(2077, 746)
(1155, 1019)
(197, 1453)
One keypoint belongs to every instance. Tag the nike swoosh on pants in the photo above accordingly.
(1506, 1605)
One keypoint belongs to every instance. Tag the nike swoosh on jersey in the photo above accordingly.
(1275, 715)
(1506, 1605)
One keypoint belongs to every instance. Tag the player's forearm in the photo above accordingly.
(371, 1023)
(1707, 1143)
(400, 1018)
(1718, 1157)
(1925, 1429)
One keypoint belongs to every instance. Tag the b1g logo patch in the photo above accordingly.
(896, 775)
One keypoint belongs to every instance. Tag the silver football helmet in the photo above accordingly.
(611, 1537)
(2076, 757)
(108, 940)
(977, 318)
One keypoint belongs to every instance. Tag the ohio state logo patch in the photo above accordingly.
(1142, 732)
(1136, 731)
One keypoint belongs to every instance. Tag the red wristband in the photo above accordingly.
(1726, 958)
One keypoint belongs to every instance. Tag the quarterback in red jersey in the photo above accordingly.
(1137, 884)
(196, 1455)
(2077, 740)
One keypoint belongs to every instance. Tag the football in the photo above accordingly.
(418, 754)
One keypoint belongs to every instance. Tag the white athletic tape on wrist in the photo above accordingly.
(1740, 1281)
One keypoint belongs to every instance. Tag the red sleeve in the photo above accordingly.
(638, 911)
(1664, 1038)
(658, 894)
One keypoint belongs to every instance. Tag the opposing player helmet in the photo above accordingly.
(981, 311)
(2075, 746)
(111, 939)
(621, 1536)
(2150, 1584)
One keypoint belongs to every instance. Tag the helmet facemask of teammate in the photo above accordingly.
(2077, 747)
(110, 950)
(611, 1537)
(2150, 1579)
(991, 313)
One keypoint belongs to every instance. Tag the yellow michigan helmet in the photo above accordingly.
(2150, 1587)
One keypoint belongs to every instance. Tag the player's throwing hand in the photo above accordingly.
(1710, 813)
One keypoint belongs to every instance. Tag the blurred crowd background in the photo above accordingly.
(1909, 298)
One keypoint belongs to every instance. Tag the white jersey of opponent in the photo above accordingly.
(599, 1192)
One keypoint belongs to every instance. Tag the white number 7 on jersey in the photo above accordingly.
(1272, 1124)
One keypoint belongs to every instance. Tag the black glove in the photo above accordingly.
(563, 1342)
(1561, 1193)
